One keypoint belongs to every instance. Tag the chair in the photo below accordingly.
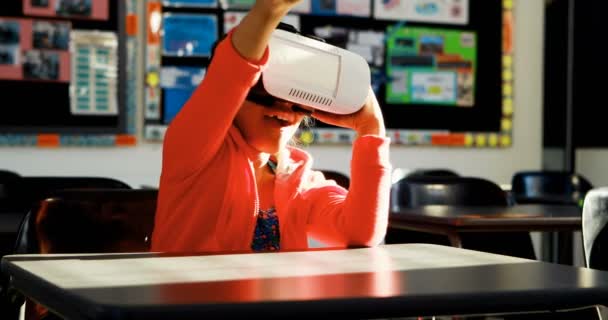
(457, 191)
(549, 187)
(27, 192)
(340, 178)
(595, 233)
(30, 190)
(595, 228)
(8, 184)
(8, 181)
(418, 191)
(555, 188)
(432, 173)
(88, 221)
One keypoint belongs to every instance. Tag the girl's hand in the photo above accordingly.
(276, 6)
(253, 33)
(368, 120)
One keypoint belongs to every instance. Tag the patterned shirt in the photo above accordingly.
(266, 236)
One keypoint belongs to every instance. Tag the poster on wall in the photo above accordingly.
(432, 11)
(233, 18)
(189, 34)
(178, 83)
(367, 43)
(50, 35)
(46, 66)
(304, 6)
(190, 3)
(10, 47)
(34, 50)
(360, 8)
(73, 9)
(431, 66)
(94, 85)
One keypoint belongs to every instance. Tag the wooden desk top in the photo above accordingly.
(528, 217)
(391, 280)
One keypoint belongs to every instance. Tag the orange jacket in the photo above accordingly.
(208, 197)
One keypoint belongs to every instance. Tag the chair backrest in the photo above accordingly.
(85, 221)
(8, 183)
(90, 221)
(595, 228)
(432, 173)
(31, 190)
(552, 187)
(419, 191)
(340, 178)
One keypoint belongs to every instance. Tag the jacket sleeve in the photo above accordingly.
(199, 129)
(358, 217)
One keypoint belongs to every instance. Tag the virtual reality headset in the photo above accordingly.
(309, 72)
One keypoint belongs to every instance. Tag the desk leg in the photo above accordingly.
(548, 247)
(455, 240)
(564, 248)
(558, 247)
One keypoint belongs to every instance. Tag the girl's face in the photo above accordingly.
(268, 128)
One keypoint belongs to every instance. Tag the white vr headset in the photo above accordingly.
(315, 74)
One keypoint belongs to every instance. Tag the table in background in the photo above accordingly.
(453, 220)
(385, 281)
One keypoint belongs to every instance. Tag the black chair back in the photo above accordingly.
(8, 184)
(432, 173)
(549, 187)
(31, 190)
(418, 191)
(340, 178)
(595, 228)
(90, 221)
(25, 194)
(85, 221)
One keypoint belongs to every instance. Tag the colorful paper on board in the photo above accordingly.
(189, 34)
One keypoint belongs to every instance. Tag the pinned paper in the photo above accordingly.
(93, 89)
(190, 3)
(431, 66)
(178, 83)
(341, 7)
(34, 50)
(233, 18)
(10, 43)
(74, 9)
(431, 11)
(189, 34)
(50, 35)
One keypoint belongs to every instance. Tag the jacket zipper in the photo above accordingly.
(256, 206)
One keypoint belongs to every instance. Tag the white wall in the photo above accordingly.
(593, 165)
(141, 164)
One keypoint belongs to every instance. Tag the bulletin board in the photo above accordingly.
(67, 73)
(442, 70)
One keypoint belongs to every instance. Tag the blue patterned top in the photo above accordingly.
(266, 236)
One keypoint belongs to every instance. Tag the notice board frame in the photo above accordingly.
(323, 135)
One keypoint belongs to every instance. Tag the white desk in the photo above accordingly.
(392, 280)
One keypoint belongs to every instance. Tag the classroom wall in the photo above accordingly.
(593, 164)
(141, 165)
